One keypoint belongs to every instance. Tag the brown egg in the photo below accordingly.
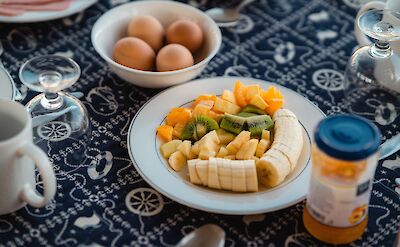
(186, 33)
(134, 53)
(147, 28)
(173, 57)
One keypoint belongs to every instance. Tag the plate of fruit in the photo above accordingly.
(226, 145)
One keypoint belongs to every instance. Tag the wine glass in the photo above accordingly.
(61, 125)
(372, 76)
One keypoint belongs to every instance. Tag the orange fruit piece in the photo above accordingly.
(273, 105)
(271, 93)
(165, 132)
(240, 94)
(179, 115)
(204, 97)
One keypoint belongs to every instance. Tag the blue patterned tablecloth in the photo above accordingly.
(292, 42)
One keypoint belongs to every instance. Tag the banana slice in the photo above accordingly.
(202, 171)
(238, 176)
(272, 168)
(194, 178)
(251, 175)
(213, 180)
(224, 174)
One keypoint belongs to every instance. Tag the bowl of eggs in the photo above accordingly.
(156, 44)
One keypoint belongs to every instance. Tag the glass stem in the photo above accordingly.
(51, 101)
(381, 49)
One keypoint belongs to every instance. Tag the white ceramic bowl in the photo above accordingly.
(112, 25)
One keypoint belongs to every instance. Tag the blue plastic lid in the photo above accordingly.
(347, 137)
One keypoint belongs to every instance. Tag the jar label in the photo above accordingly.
(340, 190)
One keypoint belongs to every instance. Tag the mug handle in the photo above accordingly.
(362, 39)
(29, 193)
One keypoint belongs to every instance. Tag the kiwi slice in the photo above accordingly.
(253, 109)
(233, 123)
(198, 127)
(259, 123)
(246, 114)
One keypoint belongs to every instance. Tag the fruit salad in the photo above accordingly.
(234, 141)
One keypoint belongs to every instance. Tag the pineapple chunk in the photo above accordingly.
(262, 147)
(222, 152)
(247, 150)
(208, 103)
(229, 96)
(230, 157)
(266, 135)
(207, 154)
(234, 146)
(225, 106)
(225, 137)
(255, 158)
(185, 148)
(201, 109)
(208, 145)
(212, 135)
(196, 149)
(177, 161)
(178, 129)
(251, 91)
(170, 147)
(259, 102)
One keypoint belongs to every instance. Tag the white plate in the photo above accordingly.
(37, 16)
(143, 147)
(6, 85)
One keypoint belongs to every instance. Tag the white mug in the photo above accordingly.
(362, 39)
(18, 157)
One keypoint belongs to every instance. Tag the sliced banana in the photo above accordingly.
(194, 178)
(251, 175)
(202, 171)
(213, 180)
(238, 176)
(272, 168)
(224, 174)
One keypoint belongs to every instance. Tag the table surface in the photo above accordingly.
(290, 42)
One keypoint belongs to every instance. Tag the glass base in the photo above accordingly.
(63, 133)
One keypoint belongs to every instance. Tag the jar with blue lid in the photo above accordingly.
(345, 155)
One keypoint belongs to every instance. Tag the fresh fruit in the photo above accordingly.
(238, 176)
(247, 150)
(255, 158)
(202, 171)
(195, 149)
(222, 152)
(217, 173)
(177, 161)
(262, 147)
(213, 180)
(246, 114)
(253, 109)
(216, 116)
(251, 175)
(234, 146)
(208, 146)
(170, 147)
(224, 137)
(274, 105)
(229, 96)
(198, 127)
(259, 102)
(204, 97)
(232, 123)
(165, 132)
(272, 168)
(185, 147)
(266, 135)
(194, 178)
(240, 94)
(259, 123)
(208, 103)
(251, 91)
(178, 115)
(225, 106)
(230, 157)
(201, 110)
(178, 129)
(283, 155)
